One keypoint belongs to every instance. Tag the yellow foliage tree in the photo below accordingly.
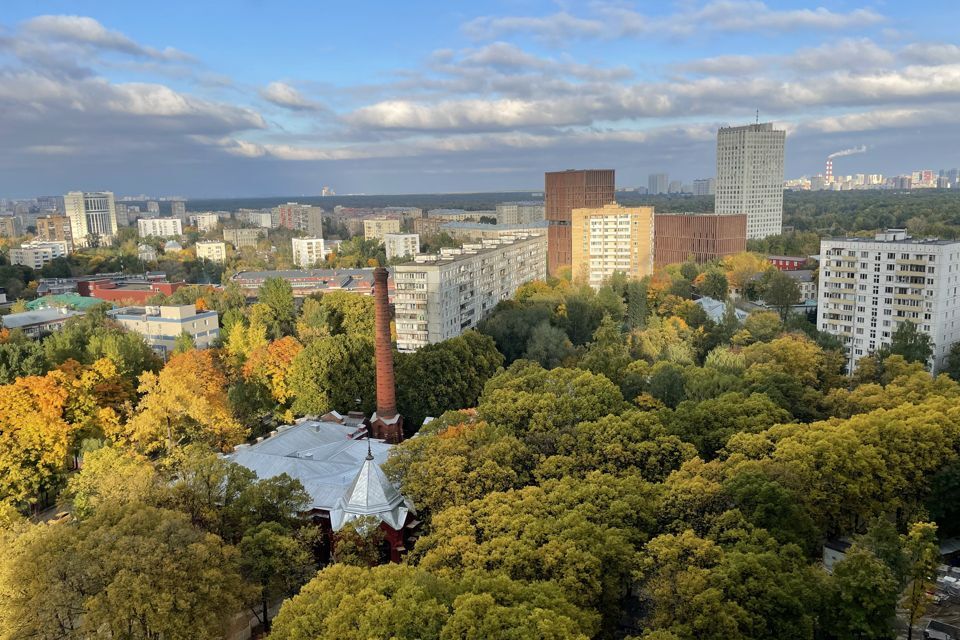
(270, 365)
(185, 402)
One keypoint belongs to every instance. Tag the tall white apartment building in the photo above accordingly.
(308, 251)
(868, 287)
(523, 212)
(178, 209)
(750, 176)
(159, 227)
(36, 254)
(212, 250)
(441, 296)
(207, 221)
(93, 216)
(705, 187)
(401, 244)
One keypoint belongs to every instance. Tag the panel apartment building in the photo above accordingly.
(611, 239)
(867, 287)
(159, 227)
(441, 296)
(565, 191)
(750, 176)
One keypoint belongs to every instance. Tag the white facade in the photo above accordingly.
(207, 222)
(93, 216)
(308, 251)
(520, 212)
(37, 254)
(401, 244)
(750, 176)
(440, 297)
(212, 250)
(159, 227)
(867, 287)
(705, 187)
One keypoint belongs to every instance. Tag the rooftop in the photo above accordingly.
(469, 250)
(294, 274)
(896, 236)
(334, 468)
(483, 226)
(72, 300)
(39, 316)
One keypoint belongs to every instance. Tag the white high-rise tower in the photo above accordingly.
(93, 216)
(750, 176)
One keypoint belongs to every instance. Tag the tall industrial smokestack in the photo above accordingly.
(386, 423)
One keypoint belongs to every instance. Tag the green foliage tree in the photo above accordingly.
(781, 292)
(548, 346)
(276, 562)
(865, 597)
(332, 374)
(279, 315)
(714, 285)
(910, 343)
(183, 343)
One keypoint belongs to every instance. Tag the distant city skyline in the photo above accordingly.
(459, 98)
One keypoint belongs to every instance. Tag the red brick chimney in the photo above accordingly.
(386, 422)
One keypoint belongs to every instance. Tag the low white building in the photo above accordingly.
(159, 227)
(212, 250)
(308, 251)
(441, 296)
(162, 325)
(399, 245)
(146, 253)
(38, 253)
(40, 321)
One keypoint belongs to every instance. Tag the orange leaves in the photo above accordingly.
(271, 364)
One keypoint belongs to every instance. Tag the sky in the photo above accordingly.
(278, 97)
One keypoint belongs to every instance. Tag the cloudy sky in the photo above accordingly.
(281, 97)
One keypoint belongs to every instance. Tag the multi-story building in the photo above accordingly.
(161, 326)
(705, 187)
(565, 191)
(36, 254)
(241, 238)
(523, 212)
(399, 245)
(807, 285)
(212, 250)
(700, 237)
(658, 183)
(426, 227)
(153, 207)
(376, 228)
(146, 253)
(207, 221)
(869, 286)
(750, 176)
(9, 226)
(308, 251)
(611, 239)
(178, 209)
(477, 231)
(258, 218)
(307, 281)
(788, 263)
(55, 229)
(93, 217)
(302, 217)
(159, 227)
(441, 296)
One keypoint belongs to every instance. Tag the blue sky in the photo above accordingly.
(268, 98)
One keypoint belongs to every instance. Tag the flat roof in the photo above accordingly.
(39, 316)
(293, 274)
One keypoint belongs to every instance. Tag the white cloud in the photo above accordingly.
(86, 31)
(288, 96)
(931, 53)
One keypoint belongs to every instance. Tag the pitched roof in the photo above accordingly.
(371, 494)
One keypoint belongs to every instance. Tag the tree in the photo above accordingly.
(549, 346)
(348, 313)
(922, 558)
(21, 357)
(865, 596)
(608, 353)
(666, 383)
(185, 402)
(271, 366)
(111, 477)
(360, 542)
(953, 362)
(276, 562)
(781, 292)
(128, 572)
(279, 313)
(332, 374)
(184, 343)
(713, 284)
(909, 342)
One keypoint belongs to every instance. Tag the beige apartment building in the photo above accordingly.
(161, 326)
(308, 251)
(609, 239)
(241, 238)
(441, 296)
(93, 216)
(9, 227)
(36, 254)
(212, 250)
(376, 228)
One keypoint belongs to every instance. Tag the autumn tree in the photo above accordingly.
(185, 402)
(333, 374)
